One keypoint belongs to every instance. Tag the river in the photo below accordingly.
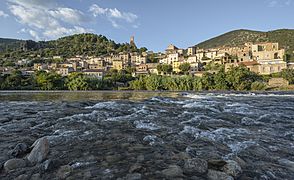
(139, 135)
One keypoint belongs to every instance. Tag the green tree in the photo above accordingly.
(13, 81)
(49, 81)
(288, 74)
(240, 78)
(138, 84)
(185, 67)
(220, 80)
(208, 81)
(76, 82)
(154, 82)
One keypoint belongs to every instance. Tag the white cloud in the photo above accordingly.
(62, 31)
(280, 3)
(273, 3)
(46, 19)
(115, 16)
(68, 15)
(288, 3)
(3, 14)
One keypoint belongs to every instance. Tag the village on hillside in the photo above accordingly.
(261, 58)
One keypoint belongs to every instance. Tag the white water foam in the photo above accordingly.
(100, 105)
(146, 125)
(152, 139)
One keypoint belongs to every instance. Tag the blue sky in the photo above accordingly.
(154, 23)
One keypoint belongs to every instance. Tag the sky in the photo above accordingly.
(154, 23)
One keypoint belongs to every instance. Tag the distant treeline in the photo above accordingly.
(238, 78)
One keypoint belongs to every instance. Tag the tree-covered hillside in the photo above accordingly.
(80, 44)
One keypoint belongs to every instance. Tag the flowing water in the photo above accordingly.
(101, 135)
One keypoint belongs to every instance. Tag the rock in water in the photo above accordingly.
(134, 176)
(14, 164)
(195, 166)
(40, 151)
(173, 171)
(232, 168)
(19, 149)
(218, 175)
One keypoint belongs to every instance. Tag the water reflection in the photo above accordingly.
(80, 95)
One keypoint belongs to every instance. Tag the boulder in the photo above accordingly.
(232, 168)
(173, 171)
(40, 151)
(14, 164)
(218, 175)
(19, 150)
(195, 166)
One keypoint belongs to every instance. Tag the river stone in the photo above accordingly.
(232, 168)
(64, 171)
(134, 176)
(173, 171)
(36, 176)
(195, 166)
(14, 164)
(218, 175)
(135, 167)
(18, 150)
(216, 164)
(40, 151)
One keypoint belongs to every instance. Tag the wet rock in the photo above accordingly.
(195, 166)
(40, 151)
(49, 165)
(14, 164)
(113, 158)
(218, 175)
(140, 158)
(36, 177)
(135, 167)
(64, 171)
(183, 155)
(22, 177)
(173, 171)
(134, 176)
(232, 168)
(216, 164)
(18, 150)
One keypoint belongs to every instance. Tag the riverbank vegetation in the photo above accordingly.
(239, 79)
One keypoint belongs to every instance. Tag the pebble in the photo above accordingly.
(14, 164)
(218, 175)
(195, 166)
(173, 171)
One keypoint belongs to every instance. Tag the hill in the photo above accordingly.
(10, 44)
(79, 44)
(285, 37)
